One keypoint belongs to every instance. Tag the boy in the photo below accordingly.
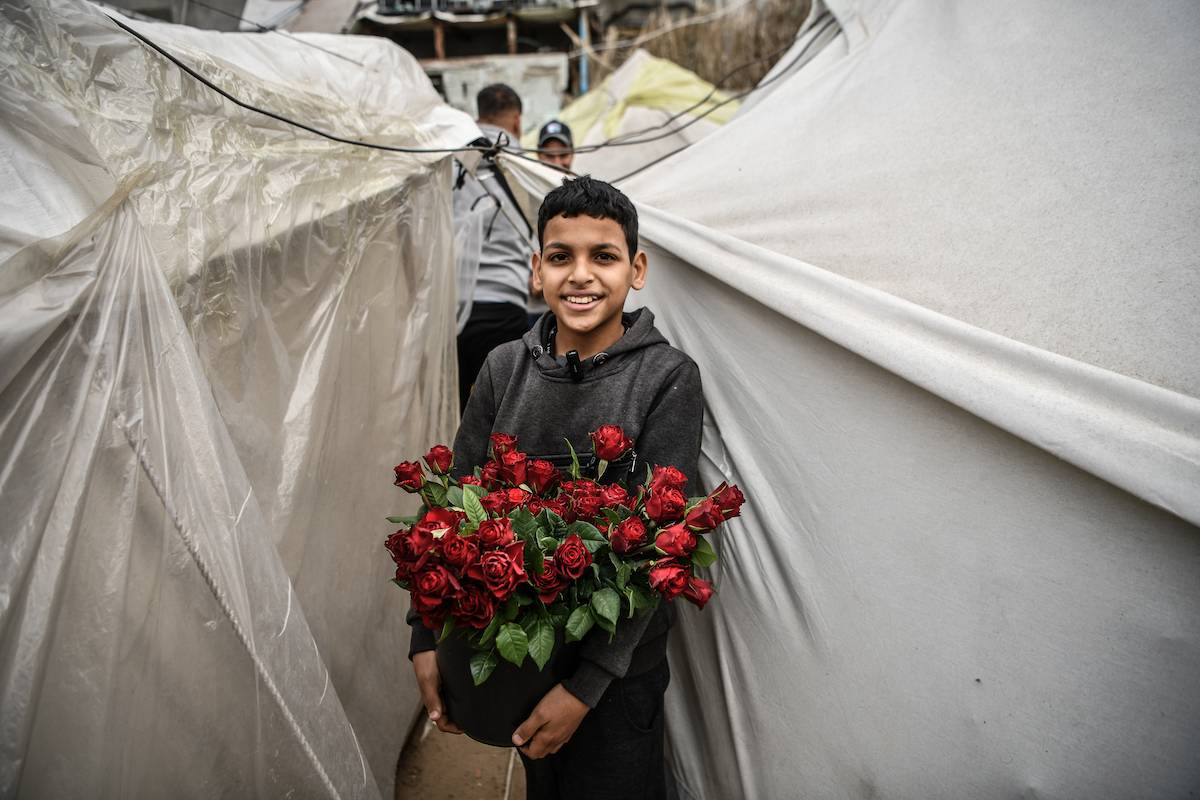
(599, 733)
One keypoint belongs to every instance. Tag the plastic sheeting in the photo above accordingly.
(644, 92)
(216, 334)
(944, 291)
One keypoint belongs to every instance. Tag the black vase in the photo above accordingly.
(490, 713)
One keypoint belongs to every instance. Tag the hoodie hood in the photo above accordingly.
(640, 333)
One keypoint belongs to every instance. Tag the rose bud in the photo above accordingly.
(513, 467)
(676, 540)
(729, 500)
(667, 478)
(549, 583)
(669, 578)
(571, 558)
(489, 476)
(665, 505)
(541, 475)
(698, 591)
(502, 443)
(475, 607)
(705, 516)
(495, 533)
(501, 570)
(629, 534)
(515, 498)
(470, 480)
(610, 442)
(409, 476)
(439, 458)
(613, 496)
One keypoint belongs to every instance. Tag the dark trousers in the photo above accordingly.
(617, 751)
(489, 326)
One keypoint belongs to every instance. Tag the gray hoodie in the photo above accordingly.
(642, 384)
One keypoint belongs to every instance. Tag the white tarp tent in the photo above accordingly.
(942, 283)
(217, 333)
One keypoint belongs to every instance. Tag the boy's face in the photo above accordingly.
(584, 272)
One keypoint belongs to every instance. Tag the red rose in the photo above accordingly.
(541, 475)
(698, 591)
(629, 534)
(705, 516)
(502, 443)
(582, 488)
(586, 507)
(515, 498)
(495, 533)
(513, 467)
(432, 591)
(676, 540)
(610, 442)
(669, 578)
(665, 505)
(571, 558)
(470, 480)
(410, 547)
(489, 476)
(728, 499)
(667, 478)
(613, 496)
(409, 476)
(475, 607)
(494, 502)
(501, 570)
(439, 458)
(557, 505)
(549, 584)
(404, 571)
(436, 518)
(459, 551)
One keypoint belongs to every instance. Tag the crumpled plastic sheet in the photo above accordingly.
(217, 334)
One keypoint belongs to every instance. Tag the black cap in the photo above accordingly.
(555, 130)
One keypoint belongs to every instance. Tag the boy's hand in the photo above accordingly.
(429, 681)
(551, 724)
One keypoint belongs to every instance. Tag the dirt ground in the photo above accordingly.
(439, 766)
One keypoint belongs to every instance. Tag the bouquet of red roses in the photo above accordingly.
(519, 549)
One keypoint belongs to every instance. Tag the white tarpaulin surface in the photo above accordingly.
(217, 333)
(943, 287)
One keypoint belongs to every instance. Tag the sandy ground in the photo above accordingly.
(439, 766)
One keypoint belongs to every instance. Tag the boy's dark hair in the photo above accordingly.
(496, 99)
(593, 198)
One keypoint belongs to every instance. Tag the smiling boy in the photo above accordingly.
(599, 733)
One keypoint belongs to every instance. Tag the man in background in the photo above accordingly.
(501, 289)
(555, 146)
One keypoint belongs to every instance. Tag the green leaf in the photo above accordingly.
(482, 666)
(608, 627)
(703, 555)
(559, 615)
(403, 520)
(536, 560)
(550, 521)
(639, 600)
(600, 467)
(511, 608)
(586, 531)
(524, 524)
(574, 460)
(540, 633)
(548, 543)
(579, 623)
(434, 495)
(523, 599)
(447, 629)
(454, 496)
(624, 573)
(512, 643)
(473, 507)
(607, 605)
(471, 488)
(489, 633)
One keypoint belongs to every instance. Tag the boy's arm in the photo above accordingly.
(470, 450)
(671, 436)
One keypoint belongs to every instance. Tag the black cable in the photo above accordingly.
(286, 120)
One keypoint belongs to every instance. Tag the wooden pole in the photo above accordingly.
(439, 39)
(512, 35)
